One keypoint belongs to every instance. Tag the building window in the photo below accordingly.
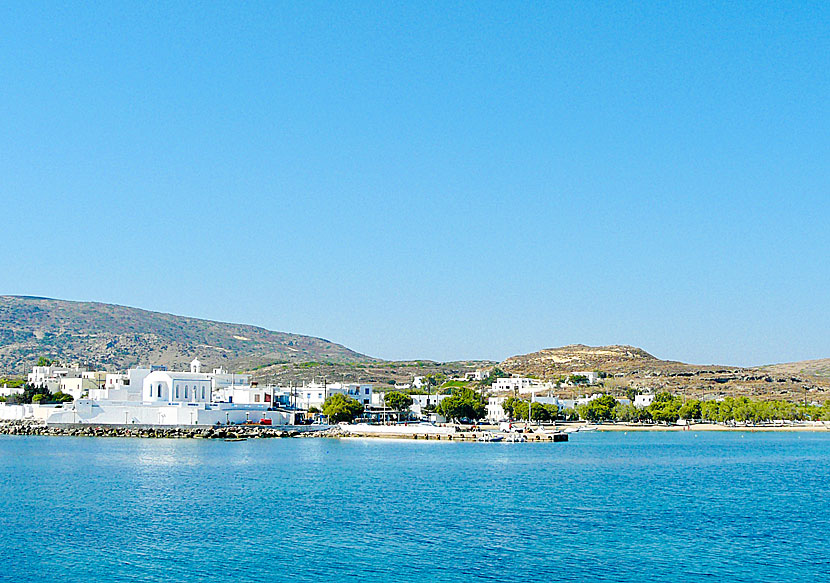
(203, 392)
(256, 398)
(367, 390)
(177, 391)
(159, 391)
(185, 391)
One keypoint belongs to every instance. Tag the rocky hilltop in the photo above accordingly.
(107, 336)
(629, 367)
(551, 362)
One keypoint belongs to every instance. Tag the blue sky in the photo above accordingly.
(433, 180)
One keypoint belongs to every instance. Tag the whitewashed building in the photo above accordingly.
(478, 375)
(495, 410)
(177, 387)
(642, 401)
(123, 387)
(248, 395)
(160, 397)
(421, 403)
(133, 413)
(592, 376)
(513, 384)
(315, 394)
(76, 386)
(50, 377)
(222, 378)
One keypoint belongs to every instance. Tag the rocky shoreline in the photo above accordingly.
(26, 427)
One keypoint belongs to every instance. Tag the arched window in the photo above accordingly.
(159, 390)
(185, 391)
(177, 391)
(203, 393)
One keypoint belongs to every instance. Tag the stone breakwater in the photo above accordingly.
(18, 427)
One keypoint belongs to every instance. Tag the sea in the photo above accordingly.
(616, 506)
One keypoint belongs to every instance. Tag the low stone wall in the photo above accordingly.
(230, 432)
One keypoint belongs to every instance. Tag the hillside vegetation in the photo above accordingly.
(379, 372)
(116, 337)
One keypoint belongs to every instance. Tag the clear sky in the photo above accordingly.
(435, 180)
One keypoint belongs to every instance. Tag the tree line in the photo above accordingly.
(33, 394)
(467, 404)
(668, 408)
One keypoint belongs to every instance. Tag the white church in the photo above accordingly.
(163, 386)
(158, 397)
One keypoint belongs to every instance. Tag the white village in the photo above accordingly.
(151, 396)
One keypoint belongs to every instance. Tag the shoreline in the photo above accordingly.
(231, 432)
(244, 432)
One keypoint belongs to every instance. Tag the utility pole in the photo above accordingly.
(530, 408)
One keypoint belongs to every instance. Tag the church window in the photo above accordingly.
(177, 391)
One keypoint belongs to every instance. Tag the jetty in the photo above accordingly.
(229, 432)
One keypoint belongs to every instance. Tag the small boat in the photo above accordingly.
(514, 438)
(489, 436)
(236, 439)
(581, 429)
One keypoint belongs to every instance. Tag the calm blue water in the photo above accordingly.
(604, 507)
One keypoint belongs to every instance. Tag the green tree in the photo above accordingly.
(339, 407)
(539, 411)
(43, 361)
(12, 382)
(627, 413)
(599, 409)
(509, 406)
(691, 409)
(397, 401)
(30, 392)
(710, 411)
(665, 408)
(462, 404)
(631, 393)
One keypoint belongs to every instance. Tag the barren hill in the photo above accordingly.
(817, 368)
(116, 337)
(631, 367)
(551, 362)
